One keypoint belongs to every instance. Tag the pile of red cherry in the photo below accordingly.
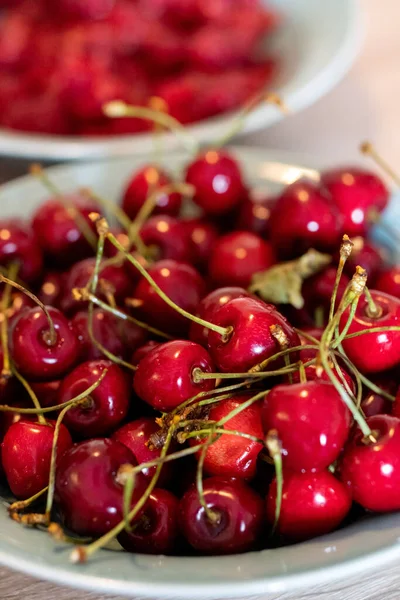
(195, 415)
(61, 60)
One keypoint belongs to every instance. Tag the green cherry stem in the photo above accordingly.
(373, 311)
(5, 303)
(274, 447)
(346, 248)
(349, 336)
(341, 335)
(110, 206)
(21, 505)
(212, 515)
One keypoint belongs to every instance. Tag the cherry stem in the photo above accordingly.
(198, 375)
(5, 302)
(110, 206)
(368, 149)
(274, 446)
(21, 505)
(344, 382)
(242, 407)
(302, 372)
(79, 219)
(222, 431)
(32, 396)
(373, 311)
(213, 516)
(349, 336)
(341, 335)
(118, 109)
(262, 366)
(345, 251)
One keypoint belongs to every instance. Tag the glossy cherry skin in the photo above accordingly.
(19, 245)
(158, 527)
(33, 357)
(217, 179)
(58, 233)
(230, 455)
(368, 256)
(182, 284)
(142, 351)
(389, 281)
(240, 512)
(370, 470)
(202, 236)
(304, 217)
(251, 340)
(26, 455)
(136, 435)
(254, 214)
(165, 376)
(167, 237)
(109, 401)
(237, 256)
(51, 289)
(317, 290)
(46, 391)
(88, 495)
(312, 422)
(142, 184)
(374, 352)
(358, 194)
(209, 306)
(118, 336)
(312, 504)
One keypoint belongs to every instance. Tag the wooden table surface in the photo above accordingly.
(365, 105)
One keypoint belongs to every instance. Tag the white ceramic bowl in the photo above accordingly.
(365, 545)
(317, 45)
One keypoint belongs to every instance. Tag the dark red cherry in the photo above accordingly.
(237, 256)
(395, 405)
(19, 245)
(202, 236)
(167, 238)
(367, 255)
(46, 391)
(142, 184)
(317, 290)
(142, 351)
(136, 436)
(377, 404)
(231, 455)
(312, 504)
(182, 283)
(216, 176)
(238, 514)
(208, 307)
(312, 422)
(389, 281)
(254, 214)
(251, 340)
(118, 336)
(33, 354)
(374, 352)
(109, 402)
(58, 232)
(26, 454)
(51, 289)
(19, 302)
(304, 217)
(165, 377)
(91, 10)
(88, 494)
(371, 470)
(158, 527)
(359, 196)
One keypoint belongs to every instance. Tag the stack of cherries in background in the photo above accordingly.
(213, 384)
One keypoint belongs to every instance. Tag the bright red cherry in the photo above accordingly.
(238, 515)
(182, 283)
(217, 179)
(165, 377)
(168, 238)
(389, 281)
(26, 454)
(231, 455)
(371, 470)
(251, 340)
(19, 245)
(304, 217)
(374, 352)
(142, 351)
(359, 196)
(51, 289)
(202, 236)
(32, 351)
(109, 402)
(254, 214)
(143, 183)
(312, 421)
(58, 232)
(87, 491)
(237, 256)
(312, 504)
(368, 256)
(158, 527)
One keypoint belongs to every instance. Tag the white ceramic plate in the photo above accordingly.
(317, 45)
(360, 548)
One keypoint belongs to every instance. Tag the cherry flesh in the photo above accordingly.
(142, 184)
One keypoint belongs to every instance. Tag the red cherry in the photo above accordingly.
(89, 10)
(168, 237)
(142, 351)
(202, 236)
(368, 256)
(123, 239)
(19, 302)
(157, 529)
(374, 352)
(19, 245)
(230, 455)
(376, 404)
(142, 184)
(299, 412)
(33, 356)
(251, 340)
(182, 284)
(254, 214)
(312, 504)
(165, 376)
(26, 454)
(239, 513)
(359, 195)
(237, 256)
(109, 402)
(389, 281)
(303, 217)
(395, 405)
(46, 391)
(317, 290)
(372, 470)
(87, 492)
(51, 289)
(218, 181)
